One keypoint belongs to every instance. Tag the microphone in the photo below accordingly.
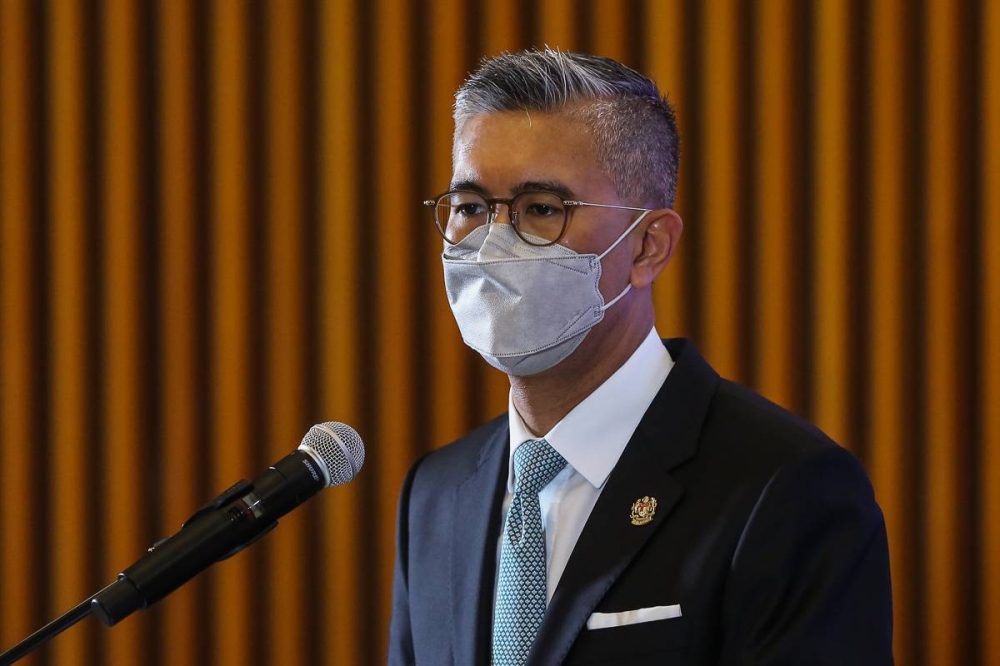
(330, 454)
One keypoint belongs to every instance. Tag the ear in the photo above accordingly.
(661, 233)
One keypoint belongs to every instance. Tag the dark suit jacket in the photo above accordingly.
(766, 533)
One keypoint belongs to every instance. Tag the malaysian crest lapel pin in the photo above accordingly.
(643, 510)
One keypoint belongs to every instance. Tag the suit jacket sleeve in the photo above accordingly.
(809, 582)
(400, 633)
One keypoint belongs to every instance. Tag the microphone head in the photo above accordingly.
(338, 448)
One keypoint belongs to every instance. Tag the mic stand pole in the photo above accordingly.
(49, 631)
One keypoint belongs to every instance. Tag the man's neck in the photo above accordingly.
(544, 399)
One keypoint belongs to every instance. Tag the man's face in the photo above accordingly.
(503, 154)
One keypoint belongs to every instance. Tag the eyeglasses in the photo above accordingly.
(538, 217)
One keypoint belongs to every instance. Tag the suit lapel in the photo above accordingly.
(473, 555)
(666, 437)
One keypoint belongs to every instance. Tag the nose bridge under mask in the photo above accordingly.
(502, 242)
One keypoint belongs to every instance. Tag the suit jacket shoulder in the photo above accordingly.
(746, 439)
(454, 462)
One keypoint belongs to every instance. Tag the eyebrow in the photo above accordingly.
(468, 185)
(526, 186)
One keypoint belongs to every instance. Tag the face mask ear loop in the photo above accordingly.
(622, 237)
(617, 298)
(628, 287)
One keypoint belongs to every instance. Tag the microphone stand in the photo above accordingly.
(217, 531)
(49, 631)
(117, 600)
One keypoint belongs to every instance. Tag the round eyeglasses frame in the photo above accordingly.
(493, 211)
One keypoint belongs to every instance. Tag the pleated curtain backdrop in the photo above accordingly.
(211, 238)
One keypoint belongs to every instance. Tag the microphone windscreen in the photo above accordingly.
(338, 447)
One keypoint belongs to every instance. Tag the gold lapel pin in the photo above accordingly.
(643, 510)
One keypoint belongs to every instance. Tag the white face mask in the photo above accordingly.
(524, 308)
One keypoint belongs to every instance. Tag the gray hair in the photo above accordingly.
(632, 124)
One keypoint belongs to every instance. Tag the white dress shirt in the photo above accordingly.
(591, 438)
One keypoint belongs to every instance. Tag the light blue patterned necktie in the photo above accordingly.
(521, 585)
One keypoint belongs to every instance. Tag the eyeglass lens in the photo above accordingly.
(538, 217)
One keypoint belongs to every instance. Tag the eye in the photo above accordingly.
(540, 206)
(468, 209)
(542, 210)
(465, 205)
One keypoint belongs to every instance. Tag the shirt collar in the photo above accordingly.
(593, 435)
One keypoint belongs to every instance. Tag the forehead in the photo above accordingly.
(498, 151)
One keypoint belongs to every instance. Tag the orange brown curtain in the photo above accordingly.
(211, 237)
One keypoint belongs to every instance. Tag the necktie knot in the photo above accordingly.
(536, 463)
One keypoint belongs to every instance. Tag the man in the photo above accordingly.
(632, 507)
